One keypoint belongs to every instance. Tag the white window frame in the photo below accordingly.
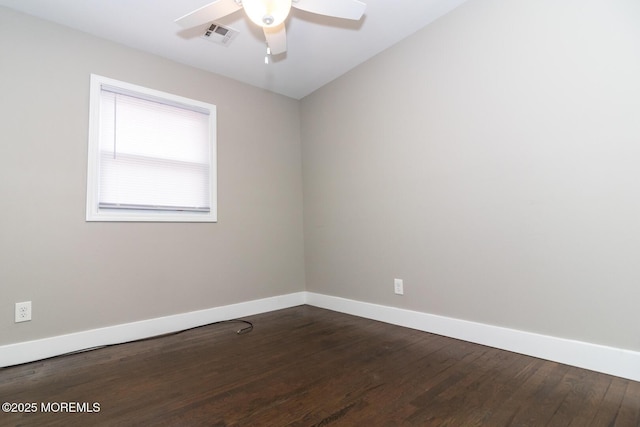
(93, 211)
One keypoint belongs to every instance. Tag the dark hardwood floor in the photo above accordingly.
(306, 366)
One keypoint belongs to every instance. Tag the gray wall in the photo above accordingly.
(83, 275)
(492, 161)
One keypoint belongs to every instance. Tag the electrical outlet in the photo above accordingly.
(398, 286)
(23, 311)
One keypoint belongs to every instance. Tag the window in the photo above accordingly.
(152, 155)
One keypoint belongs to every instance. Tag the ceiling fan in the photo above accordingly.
(270, 15)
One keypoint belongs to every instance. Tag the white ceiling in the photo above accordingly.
(319, 48)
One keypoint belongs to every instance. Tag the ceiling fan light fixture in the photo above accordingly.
(267, 13)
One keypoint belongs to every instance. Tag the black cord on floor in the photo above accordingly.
(240, 331)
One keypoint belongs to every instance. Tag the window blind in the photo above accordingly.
(154, 155)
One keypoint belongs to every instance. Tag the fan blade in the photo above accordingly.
(208, 13)
(347, 9)
(276, 38)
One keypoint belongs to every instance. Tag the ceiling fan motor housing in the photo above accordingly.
(267, 13)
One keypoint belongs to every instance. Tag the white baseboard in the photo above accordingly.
(608, 360)
(29, 351)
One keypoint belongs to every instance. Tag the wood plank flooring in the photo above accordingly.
(305, 366)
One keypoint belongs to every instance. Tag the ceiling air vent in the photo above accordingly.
(220, 35)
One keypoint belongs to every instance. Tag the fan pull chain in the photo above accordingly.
(267, 56)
